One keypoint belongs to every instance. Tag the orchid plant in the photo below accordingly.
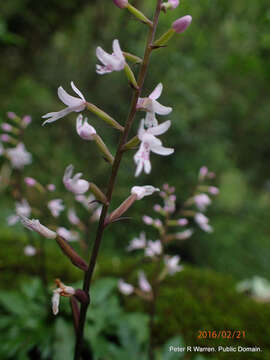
(172, 224)
(148, 130)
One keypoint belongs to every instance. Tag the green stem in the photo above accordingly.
(114, 173)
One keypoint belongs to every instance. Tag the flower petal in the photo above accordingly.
(77, 91)
(117, 50)
(160, 129)
(161, 109)
(161, 150)
(56, 115)
(67, 99)
(155, 94)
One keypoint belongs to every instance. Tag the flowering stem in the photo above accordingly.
(114, 173)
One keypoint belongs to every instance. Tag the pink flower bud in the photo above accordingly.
(182, 222)
(211, 175)
(173, 3)
(166, 187)
(158, 223)
(147, 220)
(213, 190)
(51, 187)
(121, 3)
(5, 137)
(157, 207)
(181, 24)
(6, 127)
(203, 172)
(11, 115)
(30, 181)
(26, 120)
(172, 198)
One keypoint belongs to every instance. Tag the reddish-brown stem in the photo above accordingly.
(112, 180)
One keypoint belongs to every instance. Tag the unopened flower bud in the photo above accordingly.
(6, 127)
(51, 187)
(157, 208)
(182, 222)
(5, 137)
(26, 120)
(29, 250)
(125, 288)
(30, 181)
(181, 24)
(213, 190)
(147, 220)
(121, 3)
(71, 254)
(11, 115)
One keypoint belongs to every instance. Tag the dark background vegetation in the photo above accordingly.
(216, 77)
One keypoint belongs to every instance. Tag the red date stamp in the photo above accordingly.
(221, 334)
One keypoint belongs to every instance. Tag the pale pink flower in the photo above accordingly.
(11, 115)
(125, 288)
(157, 223)
(6, 127)
(153, 107)
(51, 187)
(153, 248)
(157, 208)
(84, 130)
(182, 222)
(29, 250)
(149, 143)
(56, 207)
(143, 282)
(55, 301)
(137, 243)
(121, 3)
(202, 201)
(173, 3)
(213, 190)
(203, 173)
(170, 4)
(22, 208)
(30, 181)
(148, 220)
(19, 156)
(26, 120)
(142, 191)
(180, 25)
(35, 225)
(172, 264)
(5, 138)
(67, 234)
(203, 221)
(111, 62)
(75, 184)
(74, 104)
(63, 290)
(184, 234)
(72, 217)
(87, 201)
